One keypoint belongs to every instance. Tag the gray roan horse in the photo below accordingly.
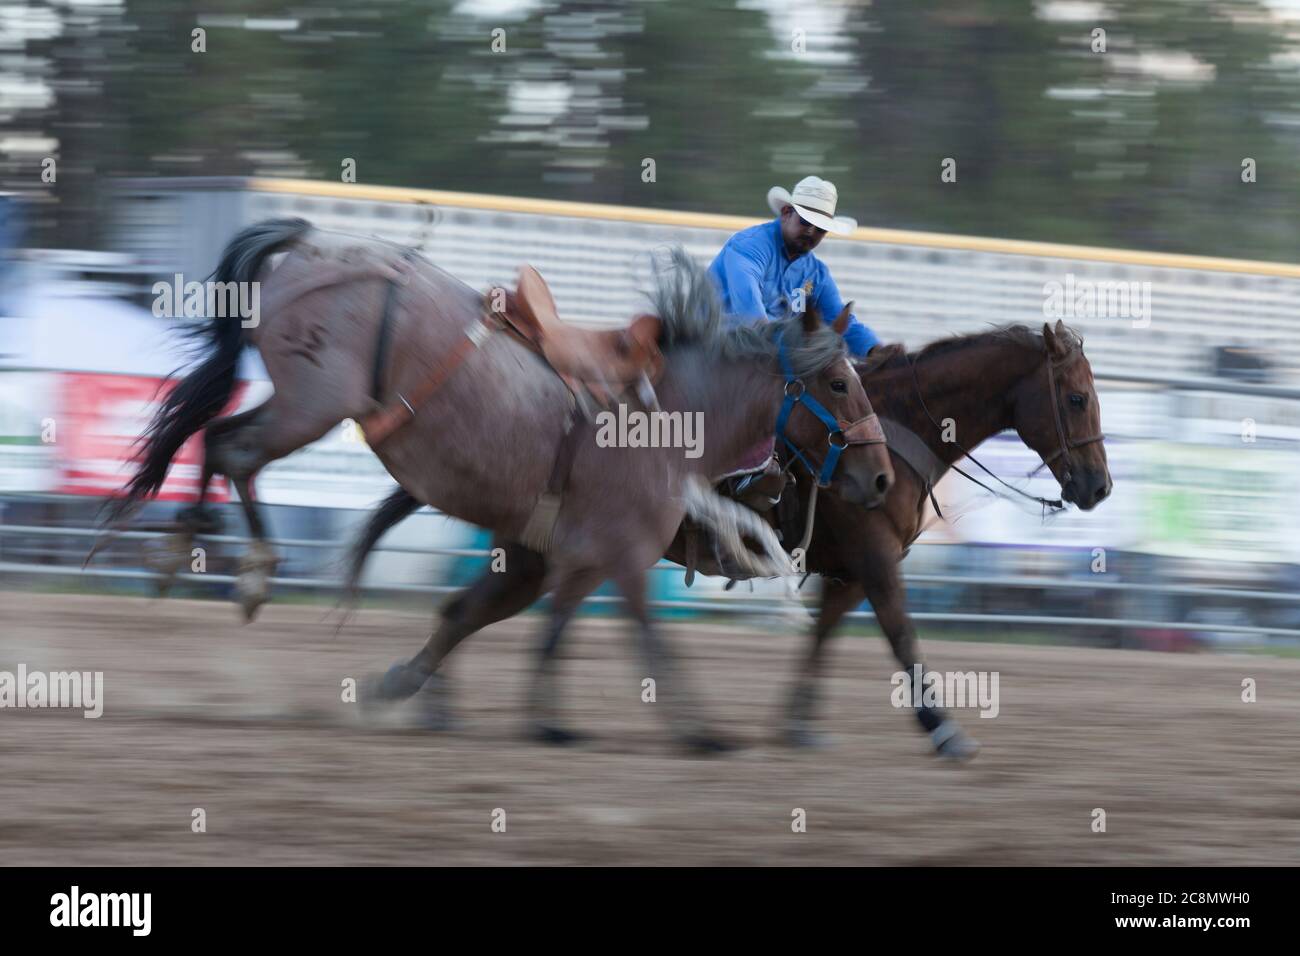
(484, 446)
(1038, 384)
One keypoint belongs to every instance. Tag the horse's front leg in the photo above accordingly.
(671, 689)
(543, 698)
(884, 589)
(494, 596)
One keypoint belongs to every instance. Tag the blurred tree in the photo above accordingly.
(699, 89)
(1138, 146)
(1141, 145)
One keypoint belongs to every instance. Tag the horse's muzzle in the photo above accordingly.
(867, 431)
(1087, 488)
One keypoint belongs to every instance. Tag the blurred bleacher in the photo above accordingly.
(913, 289)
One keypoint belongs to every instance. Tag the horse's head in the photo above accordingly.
(1056, 413)
(826, 415)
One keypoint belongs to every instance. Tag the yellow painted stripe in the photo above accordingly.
(662, 217)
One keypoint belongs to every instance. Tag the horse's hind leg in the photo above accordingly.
(230, 448)
(671, 688)
(495, 596)
(177, 548)
(238, 447)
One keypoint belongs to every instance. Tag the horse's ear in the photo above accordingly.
(641, 338)
(810, 321)
(640, 343)
(534, 296)
(645, 329)
(1056, 339)
(842, 320)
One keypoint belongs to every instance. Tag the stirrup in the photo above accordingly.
(761, 490)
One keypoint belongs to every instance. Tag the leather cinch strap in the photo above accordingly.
(539, 531)
(385, 333)
(380, 425)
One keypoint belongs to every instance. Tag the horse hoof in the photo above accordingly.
(252, 592)
(706, 744)
(398, 683)
(253, 583)
(952, 743)
(555, 736)
(168, 558)
(250, 606)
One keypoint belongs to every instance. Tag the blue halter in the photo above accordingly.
(797, 394)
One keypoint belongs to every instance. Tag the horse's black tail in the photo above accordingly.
(391, 511)
(202, 394)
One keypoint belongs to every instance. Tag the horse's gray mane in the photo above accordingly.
(686, 300)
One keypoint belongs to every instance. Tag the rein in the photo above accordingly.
(864, 431)
(1066, 445)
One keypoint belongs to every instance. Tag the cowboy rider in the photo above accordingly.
(768, 270)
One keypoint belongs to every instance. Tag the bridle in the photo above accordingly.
(839, 435)
(1066, 443)
(1062, 433)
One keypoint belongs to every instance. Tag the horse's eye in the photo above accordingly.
(841, 386)
(1077, 400)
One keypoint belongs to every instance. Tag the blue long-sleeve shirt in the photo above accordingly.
(757, 282)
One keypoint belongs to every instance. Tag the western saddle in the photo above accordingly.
(602, 363)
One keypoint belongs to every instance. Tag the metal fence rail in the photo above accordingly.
(726, 603)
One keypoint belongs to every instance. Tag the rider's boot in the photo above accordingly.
(760, 491)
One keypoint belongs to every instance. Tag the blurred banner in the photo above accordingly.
(27, 463)
(100, 419)
(1214, 503)
(74, 433)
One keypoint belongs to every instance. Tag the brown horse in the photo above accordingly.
(484, 446)
(1039, 385)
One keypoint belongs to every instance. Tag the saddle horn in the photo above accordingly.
(534, 299)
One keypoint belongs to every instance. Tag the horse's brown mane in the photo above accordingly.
(895, 355)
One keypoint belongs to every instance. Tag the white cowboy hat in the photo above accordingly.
(814, 200)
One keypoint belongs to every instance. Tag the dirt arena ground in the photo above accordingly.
(248, 723)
